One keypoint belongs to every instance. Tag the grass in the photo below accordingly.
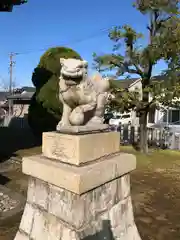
(155, 156)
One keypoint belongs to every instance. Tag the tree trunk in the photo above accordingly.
(143, 133)
(144, 113)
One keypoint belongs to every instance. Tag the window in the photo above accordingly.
(117, 117)
(151, 115)
(175, 116)
(172, 116)
(126, 116)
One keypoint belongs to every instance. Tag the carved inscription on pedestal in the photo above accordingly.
(62, 148)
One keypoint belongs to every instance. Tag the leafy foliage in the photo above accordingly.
(7, 6)
(45, 110)
(163, 17)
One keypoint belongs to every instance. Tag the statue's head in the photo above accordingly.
(73, 70)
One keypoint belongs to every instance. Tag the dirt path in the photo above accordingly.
(156, 199)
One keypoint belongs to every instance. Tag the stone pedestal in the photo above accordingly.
(77, 191)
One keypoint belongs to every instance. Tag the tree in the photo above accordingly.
(162, 15)
(7, 5)
(45, 109)
(4, 84)
(172, 53)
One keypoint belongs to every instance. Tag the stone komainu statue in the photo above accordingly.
(83, 98)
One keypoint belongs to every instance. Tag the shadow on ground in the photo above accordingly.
(4, 180)
(14, 139)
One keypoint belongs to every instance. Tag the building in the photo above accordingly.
(19, 101)
(164, 116)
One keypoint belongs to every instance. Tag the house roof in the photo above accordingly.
(125, 83)
(122, 83)
(21, 96)
(28, 89)
(24, 89)
(24, 93)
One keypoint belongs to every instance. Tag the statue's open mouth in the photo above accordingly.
(72, 79)
(71, 76)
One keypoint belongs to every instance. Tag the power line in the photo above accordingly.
(101, 32)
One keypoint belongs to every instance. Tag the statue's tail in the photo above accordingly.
(102, 84)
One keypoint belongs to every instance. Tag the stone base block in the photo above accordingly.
(79, 179)
(53, 213)
(83, 129)
(79, 149)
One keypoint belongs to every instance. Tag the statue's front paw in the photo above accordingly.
(77, 117)
(62, 124)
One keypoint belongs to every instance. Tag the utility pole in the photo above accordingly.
(11, 64)
(10, 72)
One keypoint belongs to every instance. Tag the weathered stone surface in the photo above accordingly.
(39, 227)
(21, 236)
(69, 202)
(76, 209)
(125, 185)
(79, 210)
(95, 128)
(102, 213)
(45, 226)
(67, 206)
(102, 228)
(78, 149)
(27, 218)
(130, 213)
(79, 179)
(133, 233)
(122, 218)
(38, 192)
(69, 234)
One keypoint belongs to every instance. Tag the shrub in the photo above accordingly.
(45, 109)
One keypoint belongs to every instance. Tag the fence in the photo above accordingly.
(159, 137)
(15, 122)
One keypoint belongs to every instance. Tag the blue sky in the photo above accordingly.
(41, 24)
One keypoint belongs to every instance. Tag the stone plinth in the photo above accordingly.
(69, 202)
(79, 179)
(79, 149)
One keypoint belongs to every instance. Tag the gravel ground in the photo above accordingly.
(7, 203)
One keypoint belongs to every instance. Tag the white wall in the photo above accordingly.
(137, 85)
(158, 113)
